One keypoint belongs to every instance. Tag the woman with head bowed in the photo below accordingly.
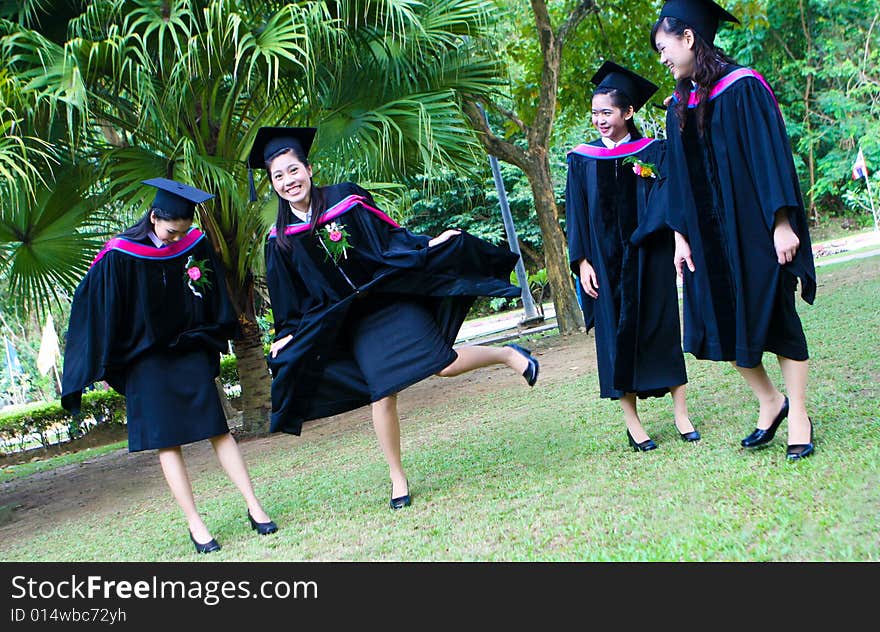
(151, 317)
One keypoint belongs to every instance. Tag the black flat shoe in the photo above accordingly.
(207, 547)
(759, 436)
(531, 372)
(691, 436)
(800, 451)
(401, 501)
(644, 446)
(263, 528)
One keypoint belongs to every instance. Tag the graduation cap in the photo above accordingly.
(636, 87)
(702, 16)
(270, 140)
(175, 199)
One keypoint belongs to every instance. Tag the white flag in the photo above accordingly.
(49, 349)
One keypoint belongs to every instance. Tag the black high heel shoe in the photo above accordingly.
(759, 436)
(263, 528)
(644, 446)
(531, 372)
(401, 501)
(691, 436)
(800, 451)
(207, 547)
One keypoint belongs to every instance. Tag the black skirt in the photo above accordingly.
(171, 399)
(396, 343)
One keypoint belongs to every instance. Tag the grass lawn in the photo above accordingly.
(545, 474)
(25, 469)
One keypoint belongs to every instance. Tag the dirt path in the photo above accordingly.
(36, 502)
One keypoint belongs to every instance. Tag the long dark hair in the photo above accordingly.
(621, 101)
(144, 226)
(285, 215)
(710, 62)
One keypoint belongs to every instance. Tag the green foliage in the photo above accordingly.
(138, 90)
(450, 200)
(228, 370)
(39, 417)
(25, 333)
(499, 303)
(47, 239)
(865, 202)
(819, 56)
(266, 323)
(538, 280)
(618, 31)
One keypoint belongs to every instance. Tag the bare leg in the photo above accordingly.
(230, 458)
(475, 356)
(631, 417)
(795, 373)
(386, 423)
(174, 469)
(769, 397)
(680, 409)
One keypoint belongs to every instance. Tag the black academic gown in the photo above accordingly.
(638, 338)
(316, 375)
(136, 324)
(725, 188)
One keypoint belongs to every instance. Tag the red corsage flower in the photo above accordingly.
(195, 275)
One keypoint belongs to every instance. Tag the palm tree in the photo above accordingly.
(49, 226)
(179, 88)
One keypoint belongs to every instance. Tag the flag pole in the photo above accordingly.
(871, 199)
(57, 377)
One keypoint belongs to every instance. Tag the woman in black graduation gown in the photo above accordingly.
(627, 289)
(151, 318)
(364, 308)
(739, 218)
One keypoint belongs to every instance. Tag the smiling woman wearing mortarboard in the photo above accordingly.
(614, 197)
(736, 206)
(364, 308)
(151, 317)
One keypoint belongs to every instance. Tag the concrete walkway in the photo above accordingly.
(507, 325)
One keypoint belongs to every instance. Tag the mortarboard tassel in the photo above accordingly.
(253, 189)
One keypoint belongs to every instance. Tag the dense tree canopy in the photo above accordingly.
(97, 96)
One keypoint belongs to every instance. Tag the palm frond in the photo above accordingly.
(49, 241)
(23, 159)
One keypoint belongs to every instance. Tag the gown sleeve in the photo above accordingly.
(577, 225)
(760, 158)
(95, 317)
(394, 245)
(676, 184)
(654, 210)
(287, 292)
(767, 149)
(213, 318)
(577, 214)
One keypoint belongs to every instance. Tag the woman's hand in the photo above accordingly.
(588, 279)
(785, 240)
(279, 344)
(682, 254)
(444, 236)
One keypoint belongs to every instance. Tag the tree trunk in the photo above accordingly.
(535, 162)
(253, 375)
(569, 318)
